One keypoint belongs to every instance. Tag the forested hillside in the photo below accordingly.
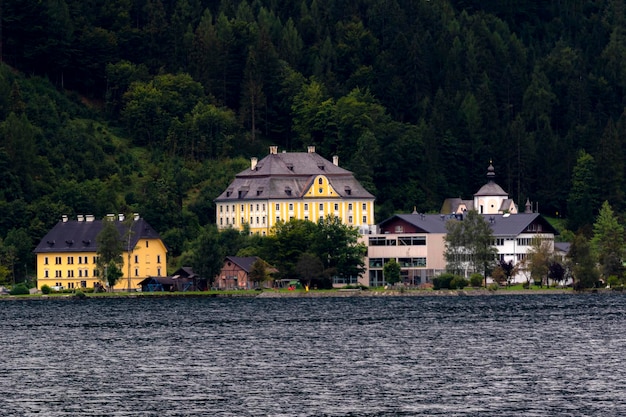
(151, 106)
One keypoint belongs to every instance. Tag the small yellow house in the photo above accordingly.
(67, 255)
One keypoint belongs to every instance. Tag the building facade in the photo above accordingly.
(293, 185)
(67, 255)
(417, 241)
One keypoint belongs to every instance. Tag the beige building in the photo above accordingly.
(293, 185)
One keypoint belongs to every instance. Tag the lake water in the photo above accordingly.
(553, 355)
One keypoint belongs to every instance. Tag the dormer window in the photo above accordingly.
(259, 191)
(229, 192)
(321, 166)
(348, 191)
(288, 190)
(290, 167)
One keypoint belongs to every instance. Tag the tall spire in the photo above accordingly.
(491, 174)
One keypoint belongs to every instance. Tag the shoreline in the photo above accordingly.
(315, 294)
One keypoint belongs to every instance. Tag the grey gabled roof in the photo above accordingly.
(244, 262)
(501, 224)
(80, 236)
(289, 175)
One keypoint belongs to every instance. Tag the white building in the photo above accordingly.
(417, 241)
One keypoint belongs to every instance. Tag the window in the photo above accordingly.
(349, 219)
(277, 219)
(291, 206)
(226, 209)
(86, 273)
(158, 272)
(221, 208)
(241, 220)
(364, 219)
(45, 274)
(349, 206)
(320, 181)
(364, 206)
(306, 206)
(83, 284)
(336, 207)
(147, 243)
(158, 259)
(45, 260)
(321, 206)
(263, 208)
(70, 274)
(136, 272)
(250, 219)
(95, 259)
(221, 222)
(242, 207)
(57, 274)
(277, 207)
(70, 260)
(57, 260)
(257, 220)
(251, 207)
(376, 262)
(227, 220)
(136, 259)
(377, 241)
(412, 240)
(257, 207)
(233, 208)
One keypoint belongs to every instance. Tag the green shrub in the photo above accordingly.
(526, 285)
(493, 286)
(476, 280)
(458, 283)
(79, 294)
(612, 281)
(19, 289)
(442, 282)
(46, 289)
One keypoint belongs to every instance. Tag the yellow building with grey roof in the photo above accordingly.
(293, 185)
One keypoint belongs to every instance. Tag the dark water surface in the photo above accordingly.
(526, 356)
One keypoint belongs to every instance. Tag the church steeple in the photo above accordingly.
(491, 172)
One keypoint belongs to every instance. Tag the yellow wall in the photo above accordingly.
(319, 201)
(77, 269)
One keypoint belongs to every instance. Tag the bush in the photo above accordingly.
(19, 289)
(493, 286)
(612, 281)
(79, 294)
(526, 285)
(46, 289)
(458, 282)
(476, 280)
(442, 282)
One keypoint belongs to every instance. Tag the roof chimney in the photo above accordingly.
(135, 216)
(273, 150)
(120, 216)
(253, 162)
(64, 218)
(90, 217)
(336, 160)
(311, 149)
(80, 217)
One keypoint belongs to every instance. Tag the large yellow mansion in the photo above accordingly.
(293, 185)
(66, 256)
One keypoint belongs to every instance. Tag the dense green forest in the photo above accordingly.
(151, 106)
